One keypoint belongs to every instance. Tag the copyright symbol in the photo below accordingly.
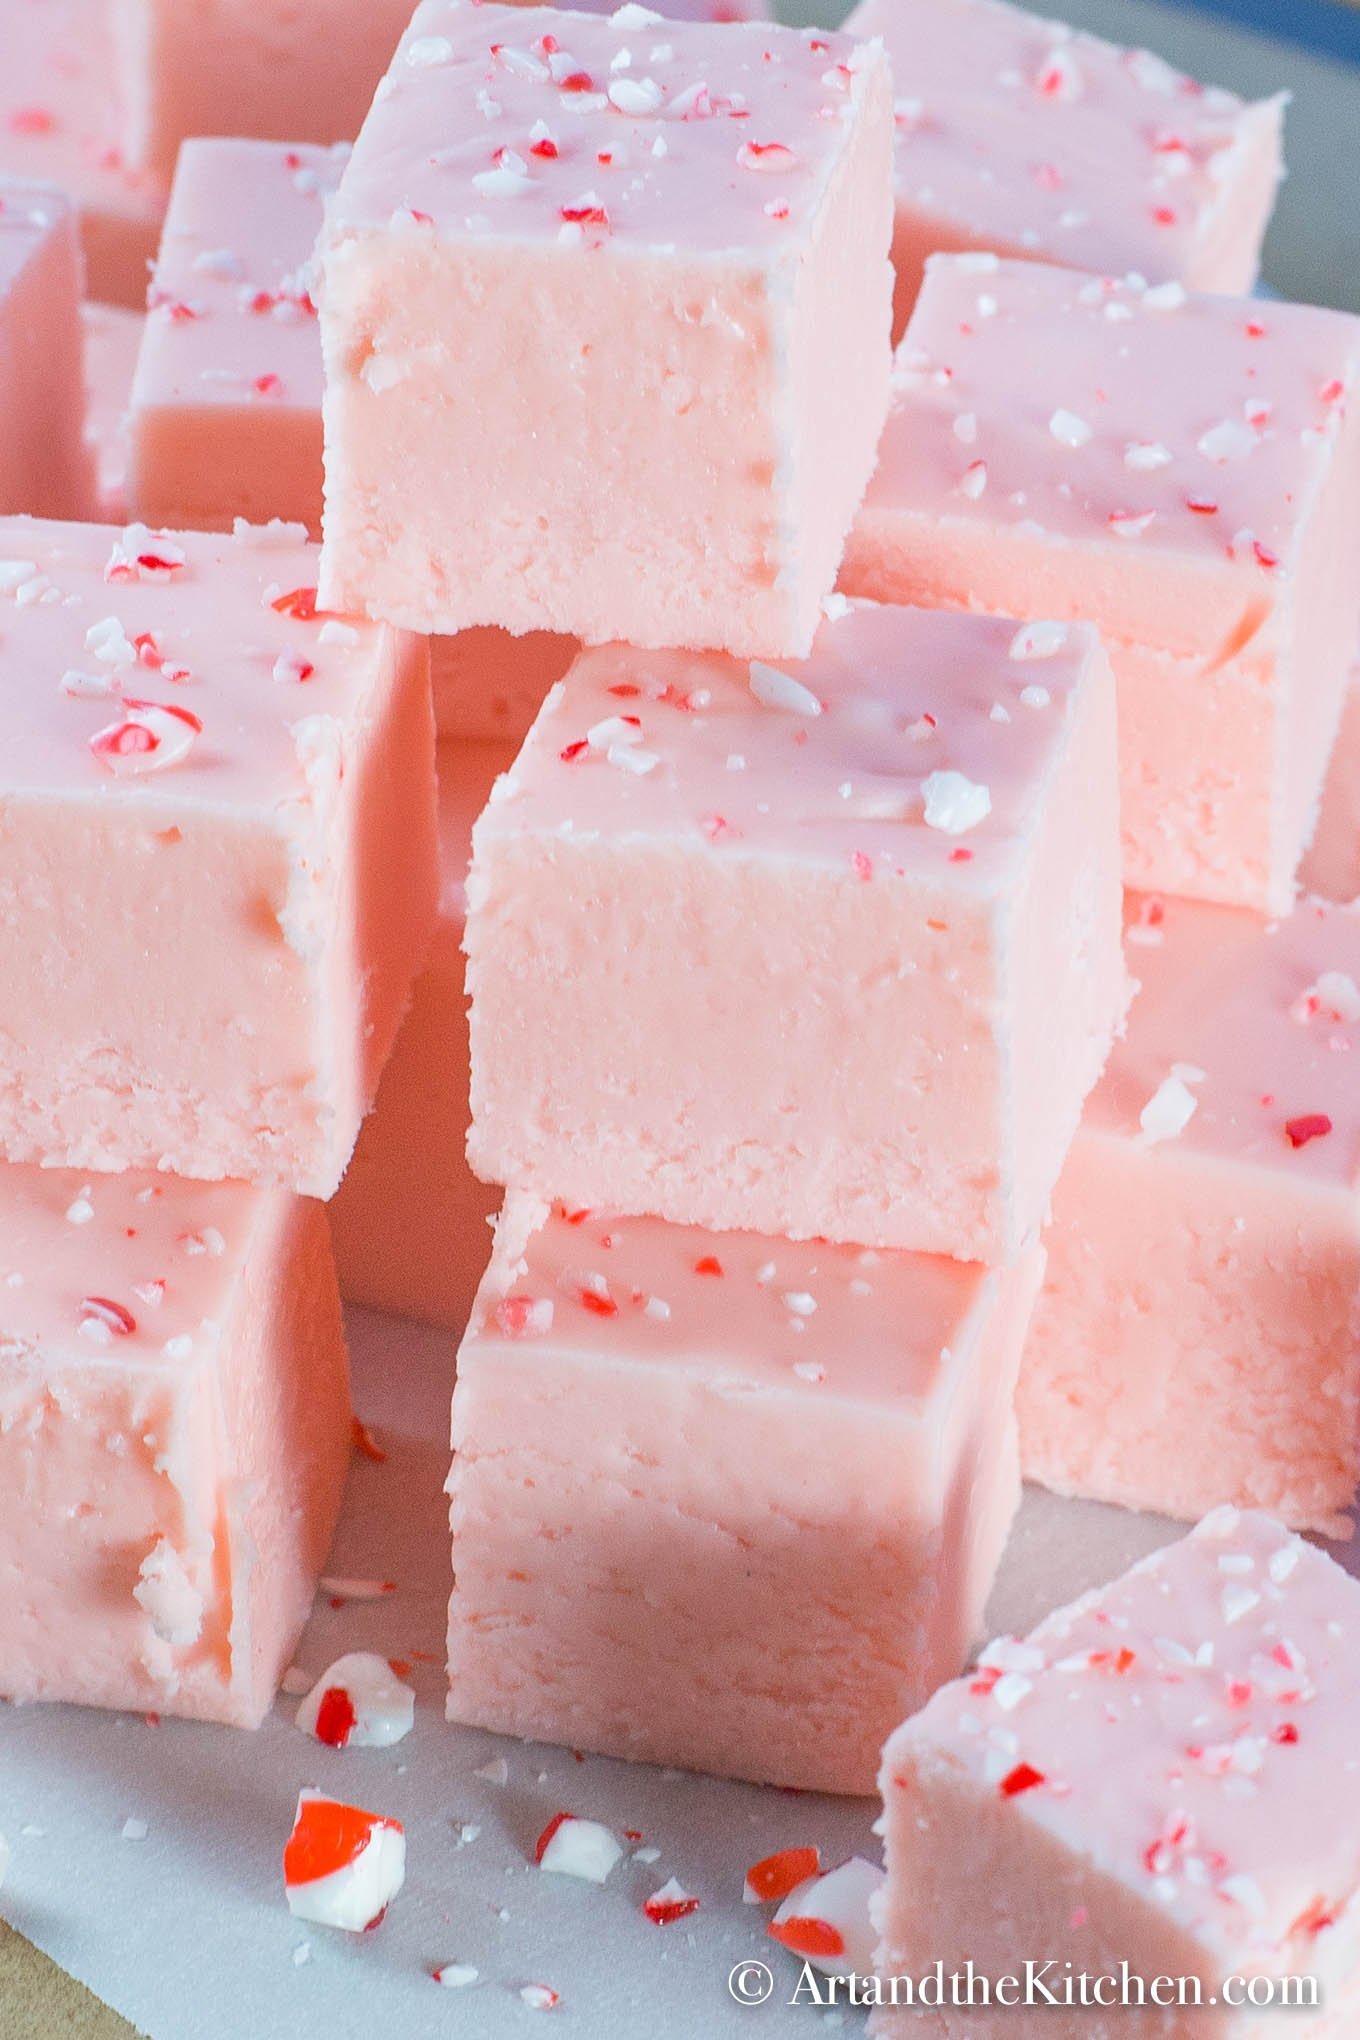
(751, 1983)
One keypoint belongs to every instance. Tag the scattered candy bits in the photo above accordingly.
(672, 1902)
(774, 1877)
(342, 1867)
(572, 1847)
(359, 1703)
(825, 1920)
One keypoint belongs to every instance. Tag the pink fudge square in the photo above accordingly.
(174, 1434)
(409, 1222)
(113, 336)
(44, 466)
(604, 305)
(235, 67)
(649, 1559)
(217, 854)
(226, 408)
(830, 949)
(1331, 866)
(226, 403)
(59, 120)
(1184, 471)
(1027, 138)
(1196, 1339)
(1162, 1775)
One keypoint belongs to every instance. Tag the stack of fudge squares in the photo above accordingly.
(859, 846)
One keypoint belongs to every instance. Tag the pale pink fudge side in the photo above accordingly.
(1020, 135)
(226, 403)
(1196, 1339)
(649, 1558)
(113, 336)
(1164, 1775)
(59, 122)
(827, 949)
(217, 854)
(604, 306)
(1182, 470)
(1331, 864)
(234, 67)
(44, 466)
(409, 1222)
(174, 1434)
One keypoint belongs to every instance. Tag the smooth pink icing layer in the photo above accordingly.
(678, 922)
(229, 941)
(174, 1434)
(1021, 136)
(668, 374)
(234, 67)
(1162, 1774)
(43, 463)
(226, 405)
(1195, 1341)
(1183, 471)
(1331, 865)
(113, 337)
(409, 1222)
(649, 1561)
(59, 121)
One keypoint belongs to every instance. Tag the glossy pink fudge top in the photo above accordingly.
(96, 617)
(809, 1318)
(132, 1265)
(231, 318)
(1180, 440)
(1247, 1032)
(909, 746)
(58, 122)
(1024, 134)
(548, 128)
(1190, 1732)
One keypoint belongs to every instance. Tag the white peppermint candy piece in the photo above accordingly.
(825, 1920)
(954, 803)
(359, 1704)
(1038, 641)
(775, 689)
(572, 1847)
(342, 1867)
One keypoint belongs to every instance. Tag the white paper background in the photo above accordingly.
(187, 1934)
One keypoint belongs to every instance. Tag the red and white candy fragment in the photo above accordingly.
(360, 1703)
(774, 1877)
(826, 1919)
(342, 1867)
(671, 1903)
(149, 736)
(572, 1847)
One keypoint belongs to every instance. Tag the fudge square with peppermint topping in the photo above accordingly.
(1196, 1339)
(828, 948)
(226, 404)
(1182, 470)
(722, 1500)
(605, 311)
(1163, 1775)
(226, 400)
(1024, 137)
(43, 462)
(218, 864)
(174, 1436)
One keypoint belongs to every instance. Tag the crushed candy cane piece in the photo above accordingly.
(346, 1589)
(774, 1877)
(826, 1919)
(775, 689)
(151, 736)
(342, 1867)
(455, 1975)
(672, 1902)
(954, 803)
(359, 1703)
(572, 1847)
